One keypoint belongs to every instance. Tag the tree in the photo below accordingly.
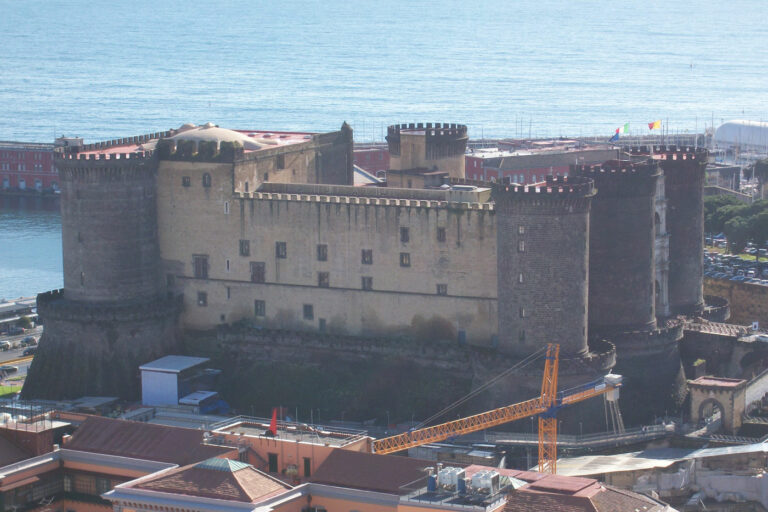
(712, 222)
(737, 229)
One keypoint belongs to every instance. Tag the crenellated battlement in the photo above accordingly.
(139, 155)
(109, 144)
(365, 201)
(106, 167)
(621, 177)
(554, 186)
(670, 152)
(441, 139)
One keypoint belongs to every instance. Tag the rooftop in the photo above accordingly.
(173, 364)
(216, 478)
(720, 382)
(142, 441)
(290, 431)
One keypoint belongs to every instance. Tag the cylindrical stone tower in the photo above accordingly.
(113, 314)
(427, 146)
(684, 172)
(543, 255)
(621, 246)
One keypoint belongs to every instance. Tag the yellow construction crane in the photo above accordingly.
(545, 406)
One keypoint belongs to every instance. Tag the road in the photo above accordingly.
(15, 353)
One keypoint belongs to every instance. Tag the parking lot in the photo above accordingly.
(735, 268)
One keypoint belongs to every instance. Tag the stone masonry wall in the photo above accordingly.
(749, 302)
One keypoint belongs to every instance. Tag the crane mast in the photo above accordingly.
(545, 406)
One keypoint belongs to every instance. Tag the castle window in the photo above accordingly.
(367, 283)
(202, 299)
(521, 246)
(258, 272)
(367, 256)
(441, 234)
(226, 207)
(281, 250)
(522, 312)
(442, 289)
(200, 264)
(229, 293)
(266, 176)
(405, 259)
(227, 265)
(520, 229)
(246, 187)
(323, 279)
(280, 162)
(410, 183)
(404, 235)
(309, 312)
(185, 181)
(206, 180)
(82, 278)
(259, 308)
(520, 278)
(245, 247)
(322, 252)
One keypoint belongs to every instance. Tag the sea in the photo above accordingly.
(521, 68)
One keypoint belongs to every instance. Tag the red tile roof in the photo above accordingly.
(371, 472)
(142, 441)
(218, 479)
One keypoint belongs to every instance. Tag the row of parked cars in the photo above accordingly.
(734, 268)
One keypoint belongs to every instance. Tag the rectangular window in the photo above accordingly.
(229, 293)
(272, 461)
(405, 259)
(521, 246)
(280, 162)
(258, 272)
(245, 247)
(102, 485)
(321, 324)
(202, 299)
(323, 279)
(281, 250)
(227, 265)
(441, 234)
(521, 230)
(522, 312)
(309, 312)
(226, 207)
(367, 256)
(307, 467)
(367, 283)
(200, 264)
(186, 181)
(259, 308)
(520, 278)
(442, 289)
(405, 236)
(322, 252)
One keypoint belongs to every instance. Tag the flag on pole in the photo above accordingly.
(655, 125)
(615, 136)
(624, 129)
(273, 423)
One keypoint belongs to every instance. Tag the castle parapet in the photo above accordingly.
(442, 135)
(568, 193)
(621, 178)
(55, 305)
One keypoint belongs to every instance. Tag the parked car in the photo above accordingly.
(29, 351)
(8, 368)
(29, 340)
(5, 345)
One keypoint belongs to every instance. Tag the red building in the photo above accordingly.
(373, 158)
(29, 165)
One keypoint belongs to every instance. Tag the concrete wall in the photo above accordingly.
(198, 221)
(749, 302)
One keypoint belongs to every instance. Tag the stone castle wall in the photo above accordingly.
(748, 302)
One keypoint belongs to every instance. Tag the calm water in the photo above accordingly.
(101, 69)
(30, 246)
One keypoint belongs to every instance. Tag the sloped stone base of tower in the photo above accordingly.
(97, 350)
(654, 381)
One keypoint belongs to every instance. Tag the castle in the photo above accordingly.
(202, 226)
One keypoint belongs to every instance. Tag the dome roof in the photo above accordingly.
(212, 133)
(742, 133)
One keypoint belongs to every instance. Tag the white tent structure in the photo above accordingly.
(746, 135)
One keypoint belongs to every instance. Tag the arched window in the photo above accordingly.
(657, 219)
(206, 180)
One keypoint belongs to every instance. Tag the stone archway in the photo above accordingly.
(712, 394)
